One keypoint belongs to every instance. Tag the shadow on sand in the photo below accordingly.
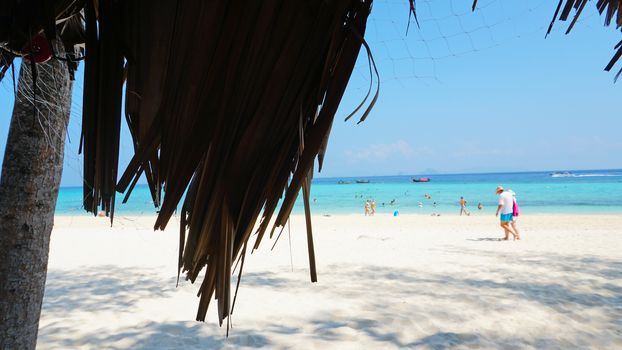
(121, 288)
(400, 308)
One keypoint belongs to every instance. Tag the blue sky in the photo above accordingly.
(465, 92)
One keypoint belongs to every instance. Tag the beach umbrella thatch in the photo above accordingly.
(228, 103)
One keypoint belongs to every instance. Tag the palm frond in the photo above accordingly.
(610, 9)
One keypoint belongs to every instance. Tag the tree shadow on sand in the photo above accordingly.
(389, 307)
(84, 289)
(159, 335)
(584, 298)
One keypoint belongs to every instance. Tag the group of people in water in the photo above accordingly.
(463, 208)
(369, 203)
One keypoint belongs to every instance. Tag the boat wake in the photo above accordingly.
(586, 175)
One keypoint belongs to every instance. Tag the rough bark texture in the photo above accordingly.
(29, 183)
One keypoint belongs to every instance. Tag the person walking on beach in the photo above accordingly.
(367, 207)
(373, 207)
(505, 208)
(463, 208)
(515, 213)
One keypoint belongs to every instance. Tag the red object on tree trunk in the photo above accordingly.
(39, 48)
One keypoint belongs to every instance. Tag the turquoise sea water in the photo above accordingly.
(593, 191)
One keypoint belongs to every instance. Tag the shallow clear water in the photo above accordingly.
(593, 191)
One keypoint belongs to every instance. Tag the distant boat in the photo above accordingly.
(341, 182)
(562, 174)
(421, 179)
(362, 181)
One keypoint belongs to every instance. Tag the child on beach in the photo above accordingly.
(373, 207)
(367, 206)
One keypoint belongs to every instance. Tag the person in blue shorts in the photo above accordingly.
(505, 208)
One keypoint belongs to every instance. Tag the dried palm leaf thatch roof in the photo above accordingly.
(22, 22)
(228, 103)
(257, 88)
(234, 98)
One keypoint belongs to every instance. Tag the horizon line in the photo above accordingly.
(472, 173)
(433, 174)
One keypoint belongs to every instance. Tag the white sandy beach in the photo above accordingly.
(384, 283)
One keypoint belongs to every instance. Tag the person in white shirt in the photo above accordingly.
(505, 208)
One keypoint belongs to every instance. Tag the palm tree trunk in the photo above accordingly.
(31, 173)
